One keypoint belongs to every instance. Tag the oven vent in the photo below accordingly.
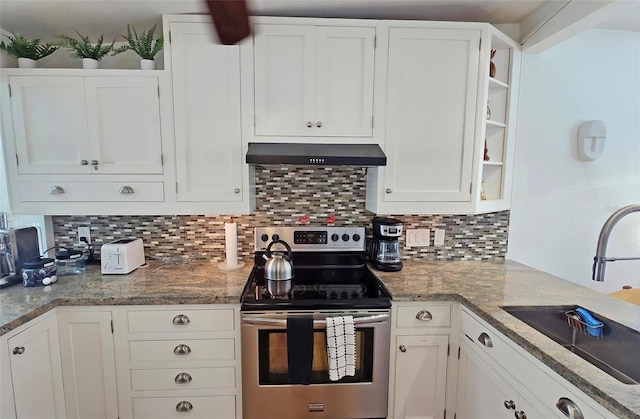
(363, 155)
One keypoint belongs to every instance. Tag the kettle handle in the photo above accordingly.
(268, 251)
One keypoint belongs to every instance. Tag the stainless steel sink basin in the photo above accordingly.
(616, 353)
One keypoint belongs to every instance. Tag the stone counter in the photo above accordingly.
(483, 287)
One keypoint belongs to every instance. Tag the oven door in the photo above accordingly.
(266, 392)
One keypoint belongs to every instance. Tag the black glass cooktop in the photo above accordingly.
(318, 286)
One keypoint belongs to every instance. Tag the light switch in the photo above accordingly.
(438, 239)
(419, 237)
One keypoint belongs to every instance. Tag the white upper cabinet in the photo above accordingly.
(313, 81)
(75, 124)
(431, 97)
(206, 103)
(437, 90)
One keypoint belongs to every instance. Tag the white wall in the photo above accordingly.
(560, 203)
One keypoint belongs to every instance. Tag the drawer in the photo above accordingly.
(51, 191)
(193, 350)
(180, 320)
(539, 379)
(433, 316)
(183, 378)
(219, 407)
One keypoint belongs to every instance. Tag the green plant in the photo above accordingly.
(143, 45)
(20, 47)
(83, 48)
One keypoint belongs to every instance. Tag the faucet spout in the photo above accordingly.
(600, 260)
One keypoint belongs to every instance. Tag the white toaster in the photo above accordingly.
(121, 256)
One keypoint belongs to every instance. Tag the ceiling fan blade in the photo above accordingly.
(231, 20)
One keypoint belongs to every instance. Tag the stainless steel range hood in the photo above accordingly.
(316, 154)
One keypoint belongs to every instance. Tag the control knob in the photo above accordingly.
(334, 237)
(264, 237)
(356, 237)
(345, 237)
(275, 237)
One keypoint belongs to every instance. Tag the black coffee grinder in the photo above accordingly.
(384, 252)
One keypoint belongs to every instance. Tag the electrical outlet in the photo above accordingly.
(438, 237)
(418, 237)
(84, 232)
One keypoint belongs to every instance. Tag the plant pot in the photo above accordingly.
(90, 63)
(147, 64)
(27, 63)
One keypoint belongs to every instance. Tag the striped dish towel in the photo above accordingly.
(341, 347)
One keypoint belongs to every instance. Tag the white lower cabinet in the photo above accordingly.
(494, 372)
(177, 360)
(33, 362)
(483, 393)
(420, 360)
(88, 363)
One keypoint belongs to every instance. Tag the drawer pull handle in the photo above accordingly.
(485, 340)
(424, 315)
(509, 404)
(402, 348)
(127, 190)
(182, 350)
(520, 415)
(181, 319)
(56, 190)
(183, 378)
(18, 350)
(184, 406)
(569, 408)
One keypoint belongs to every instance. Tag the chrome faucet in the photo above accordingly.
(600, 260)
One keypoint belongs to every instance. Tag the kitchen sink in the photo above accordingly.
(615, 352)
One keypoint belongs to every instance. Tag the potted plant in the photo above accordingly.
(91, 54)
(144, 45)
(27, 51)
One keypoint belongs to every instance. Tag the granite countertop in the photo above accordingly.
(483, 287)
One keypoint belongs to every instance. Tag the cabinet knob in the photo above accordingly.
(181, 319)
(319, 124)
(184, 406)
(402, 348)
(569, 408)
(126, 190)
(84, 162)
(18, 350)
(424, 315)
(388, 190)
(183, 378)
(509, 404)
(56, 190)
(309, 124)
(94, 162)
(182, 350)
(520, 414)
(485, 340)
(236, 190)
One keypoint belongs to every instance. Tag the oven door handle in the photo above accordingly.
(319, 324)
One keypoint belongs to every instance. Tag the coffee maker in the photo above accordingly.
(17, 245)
(384, 249)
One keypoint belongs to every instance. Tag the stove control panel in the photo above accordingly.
(311, 238)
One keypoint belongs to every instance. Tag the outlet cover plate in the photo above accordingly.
(84, 232)
(419, 237)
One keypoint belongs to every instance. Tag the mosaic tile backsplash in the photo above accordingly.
(284, 194)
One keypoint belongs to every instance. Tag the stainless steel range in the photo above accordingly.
(330, 279)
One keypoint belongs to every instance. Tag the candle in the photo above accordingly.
(231, 243)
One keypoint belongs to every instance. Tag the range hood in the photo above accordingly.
(316, 154)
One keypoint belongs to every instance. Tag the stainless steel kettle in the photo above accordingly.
(278, 267)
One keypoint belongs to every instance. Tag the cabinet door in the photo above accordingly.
(50, 124)
(344, 81)
(123, 115)
(284, 79)
(88, 364)
(431, 99)
(484, 394)
(313, 81)
(206, 94)
(421, 372)
(36, 372)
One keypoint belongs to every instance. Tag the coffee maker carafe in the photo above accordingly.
(385, 249)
